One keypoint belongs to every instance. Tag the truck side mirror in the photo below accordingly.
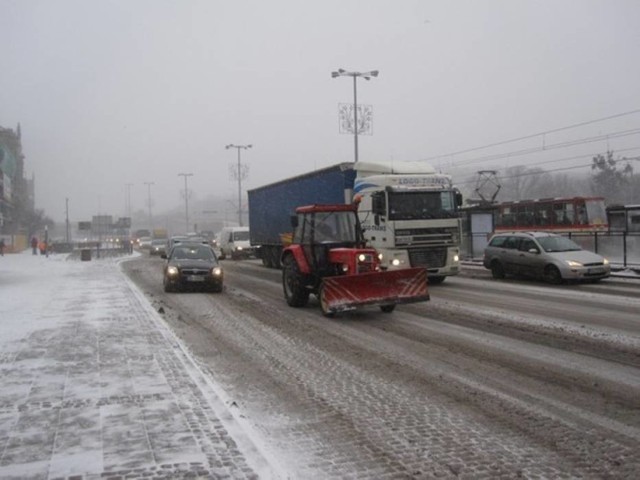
(294, 221)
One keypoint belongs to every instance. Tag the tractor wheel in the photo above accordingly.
(387, 308)
(293, 285)
(323, 303)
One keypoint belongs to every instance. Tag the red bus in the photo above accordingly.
(574, 214)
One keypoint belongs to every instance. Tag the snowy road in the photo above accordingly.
(490, 378)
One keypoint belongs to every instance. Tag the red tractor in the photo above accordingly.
(328, 257)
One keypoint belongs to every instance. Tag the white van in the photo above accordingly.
(234, 242)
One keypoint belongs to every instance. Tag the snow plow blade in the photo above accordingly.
(341, 293)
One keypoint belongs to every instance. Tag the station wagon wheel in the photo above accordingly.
(497, 270)
(552, 275)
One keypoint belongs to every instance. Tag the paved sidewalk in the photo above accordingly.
(94, 385)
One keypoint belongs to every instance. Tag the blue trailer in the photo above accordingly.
(271, 206)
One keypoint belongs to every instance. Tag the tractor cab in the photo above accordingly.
(321, 229)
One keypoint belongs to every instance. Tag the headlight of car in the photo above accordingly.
(216, 271)
(238, 248)
(573, 264)
(605, 261)
(172, 271)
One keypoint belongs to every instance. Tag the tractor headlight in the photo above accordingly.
(395, 262)
(362, 257)
(345, 267)
(380, 257)
(216, 271)
(172, 271)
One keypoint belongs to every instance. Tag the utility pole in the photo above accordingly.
(67, 221)
(148, 184)
(186, 199)
(240, 176)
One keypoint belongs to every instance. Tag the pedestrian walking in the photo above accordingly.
(34, 245)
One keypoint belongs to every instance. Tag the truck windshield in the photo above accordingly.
(421, 205)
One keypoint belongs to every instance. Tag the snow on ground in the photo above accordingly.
(95, 383)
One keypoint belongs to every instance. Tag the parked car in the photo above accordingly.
(192, 266)
(158, 247)
(548, 256)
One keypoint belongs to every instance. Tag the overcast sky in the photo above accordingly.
(133, 91)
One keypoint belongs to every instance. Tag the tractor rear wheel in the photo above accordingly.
(295, 292)
(387, 308)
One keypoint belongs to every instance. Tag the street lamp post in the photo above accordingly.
(367, 76)
(186, 199)
(239, 147)
(148, 184)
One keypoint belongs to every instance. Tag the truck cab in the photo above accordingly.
(409, 213)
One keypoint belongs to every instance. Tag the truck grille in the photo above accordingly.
(426, 236)
(428, 257)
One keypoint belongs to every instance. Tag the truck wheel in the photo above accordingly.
(323, 303)
(436, 280)
(292, 283)
(387, 308)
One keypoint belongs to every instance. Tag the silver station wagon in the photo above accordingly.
(548, 256)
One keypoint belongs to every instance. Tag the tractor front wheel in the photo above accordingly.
(295, 292)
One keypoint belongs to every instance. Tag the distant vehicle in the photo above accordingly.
(175, 240)
(158, 247)
(543, 255)
(192, 266)
(234, 242)
(571, 214)
(144, 243)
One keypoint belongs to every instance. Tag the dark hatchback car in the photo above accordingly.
(192, 266)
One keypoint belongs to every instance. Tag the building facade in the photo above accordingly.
(16, 192)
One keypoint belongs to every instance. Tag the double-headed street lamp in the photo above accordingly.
(239, 147)
(186, 199)
(367, 76)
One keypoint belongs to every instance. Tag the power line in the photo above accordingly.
(561, 169)
(571, 143)
(526, 137)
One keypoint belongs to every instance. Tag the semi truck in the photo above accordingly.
(408, 212)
